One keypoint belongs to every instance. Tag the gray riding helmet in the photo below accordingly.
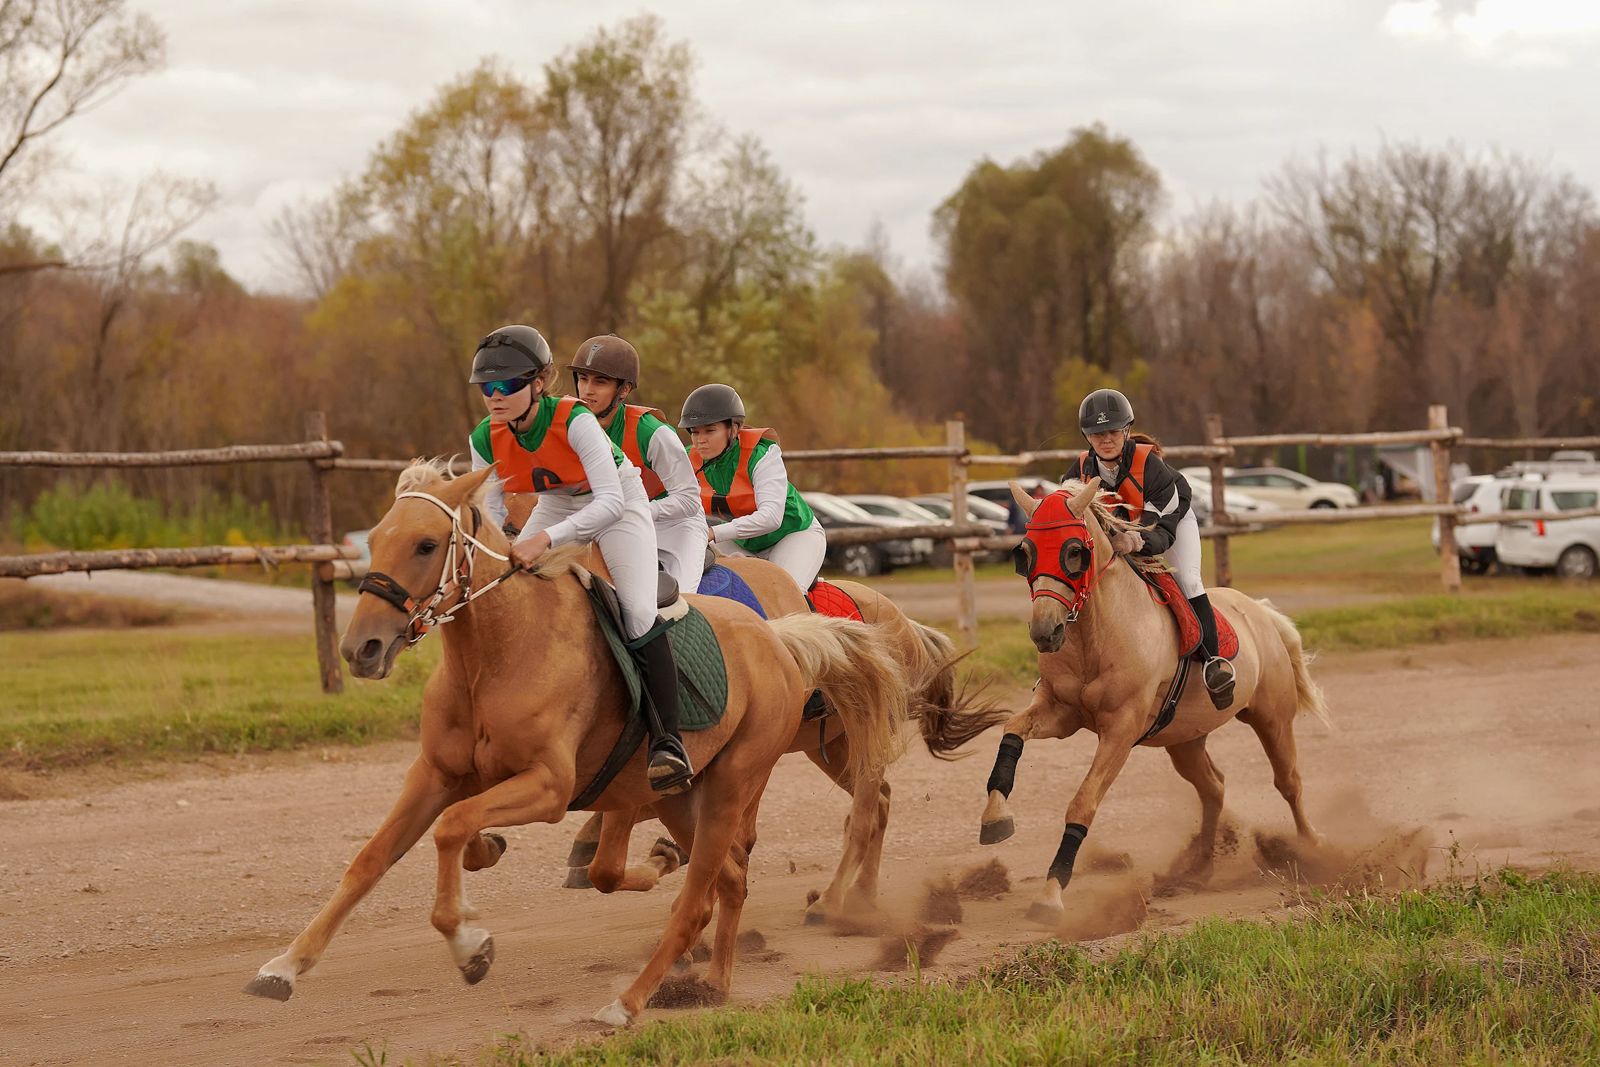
(711, 404)
(510, 352)
(1104, 409)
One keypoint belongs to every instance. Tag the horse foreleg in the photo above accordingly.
(1043, 717)
(422, 797)
(609, 871)
(1194, 764)
(1110, 753)
(732, 887)
(531, 796)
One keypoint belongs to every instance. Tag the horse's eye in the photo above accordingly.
(425, 548)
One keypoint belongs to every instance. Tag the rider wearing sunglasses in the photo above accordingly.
(1157, 497)
(587, 491)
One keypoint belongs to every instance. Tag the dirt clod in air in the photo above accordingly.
(751, 941)
(927, 942)
(686, 991)
(940, 904)
(986, 881)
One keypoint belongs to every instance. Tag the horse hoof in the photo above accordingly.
(582, 853)
(477, 967)
(992, 833)
(270, 986)
(614, 1014)
(816, 917)
(1045, 915)
(667, 848)
(577, 878)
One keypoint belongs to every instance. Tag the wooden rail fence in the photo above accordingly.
(334, 563)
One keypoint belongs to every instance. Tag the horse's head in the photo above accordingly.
(410, 546)
(1057, 557)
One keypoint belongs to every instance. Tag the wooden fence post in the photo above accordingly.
(1222, 561)
(319, 531)
(1449, 561)
(955, 434)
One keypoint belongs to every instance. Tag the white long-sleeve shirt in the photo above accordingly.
(771, 481)
(670, 462)
(593, 449)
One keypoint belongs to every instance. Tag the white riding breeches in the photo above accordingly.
(628, 546)
(1184, 557)
(800, 553)
(681, 547)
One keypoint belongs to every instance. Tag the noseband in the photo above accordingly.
(419, 620)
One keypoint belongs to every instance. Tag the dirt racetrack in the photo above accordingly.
(132, 914)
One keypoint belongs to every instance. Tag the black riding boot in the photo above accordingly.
(669, 763)
(1218, 671)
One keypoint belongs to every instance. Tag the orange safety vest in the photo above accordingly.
(631, 414)
(553, 465)
(1131, 489)
(740, 499)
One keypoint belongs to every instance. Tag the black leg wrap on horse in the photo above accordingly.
(1004, 775)
(1208, 623)
(1067, 854)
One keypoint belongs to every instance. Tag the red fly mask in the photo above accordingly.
(1057, 544)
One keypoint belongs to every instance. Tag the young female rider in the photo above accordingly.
(587, 491)
(605, 371)
(1157, 497)
(743, 483)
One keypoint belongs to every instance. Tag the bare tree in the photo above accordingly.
(58, 58)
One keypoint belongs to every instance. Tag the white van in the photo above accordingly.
(1569, 546)
(1475, 542)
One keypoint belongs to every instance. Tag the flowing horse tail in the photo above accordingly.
(948, 716)
(1308, 694)
(860, 676)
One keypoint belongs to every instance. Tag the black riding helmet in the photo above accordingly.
(510, 352)
(1104, 409)
(711, 404)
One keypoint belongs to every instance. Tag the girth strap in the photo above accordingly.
(1169, 703)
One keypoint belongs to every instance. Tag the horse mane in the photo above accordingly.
(1115, 524)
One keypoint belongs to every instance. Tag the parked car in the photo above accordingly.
(358, 539)
(979, 510)
(1571, 547)
(999, 491)
(1239, 503)
(863, 561)
(1475, 541)
(1287, 489)
(893, 507)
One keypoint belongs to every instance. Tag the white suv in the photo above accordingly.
(1570, 546)
(1478, 493)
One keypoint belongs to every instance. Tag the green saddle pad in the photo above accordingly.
(702, 674)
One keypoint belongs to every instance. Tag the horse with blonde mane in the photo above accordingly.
(947, 716)
(514, 724)
(1106, 659)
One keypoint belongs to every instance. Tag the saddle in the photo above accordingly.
(702, 672)
(1164, 590)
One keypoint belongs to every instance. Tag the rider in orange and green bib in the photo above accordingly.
(605, 372)
(744, 487)
(587, 491)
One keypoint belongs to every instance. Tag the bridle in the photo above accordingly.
(1061, 531)
(455, 575)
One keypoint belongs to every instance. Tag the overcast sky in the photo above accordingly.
(875, 110)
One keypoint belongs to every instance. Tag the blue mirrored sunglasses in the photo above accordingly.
(506, 386)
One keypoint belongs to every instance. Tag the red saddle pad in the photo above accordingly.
(829, 599)
(1188, 625)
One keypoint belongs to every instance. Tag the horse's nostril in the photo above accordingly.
(372, 649)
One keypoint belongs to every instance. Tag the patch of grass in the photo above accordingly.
(1383, 555)
(1514, 611)
(1501, 969)
(99, 696)
(29, 607)
(1521, 609)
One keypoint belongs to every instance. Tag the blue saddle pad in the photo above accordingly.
(722, 581)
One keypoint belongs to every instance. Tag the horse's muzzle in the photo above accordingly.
(1047, 634)
(371, 658)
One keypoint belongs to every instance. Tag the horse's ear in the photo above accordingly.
(1079, 504)
(1024, 499)
(469, 487)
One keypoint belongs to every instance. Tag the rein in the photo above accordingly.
(419, 620)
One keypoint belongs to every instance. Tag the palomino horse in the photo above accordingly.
(514, 723)
(947, 719)
(1105, 661)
